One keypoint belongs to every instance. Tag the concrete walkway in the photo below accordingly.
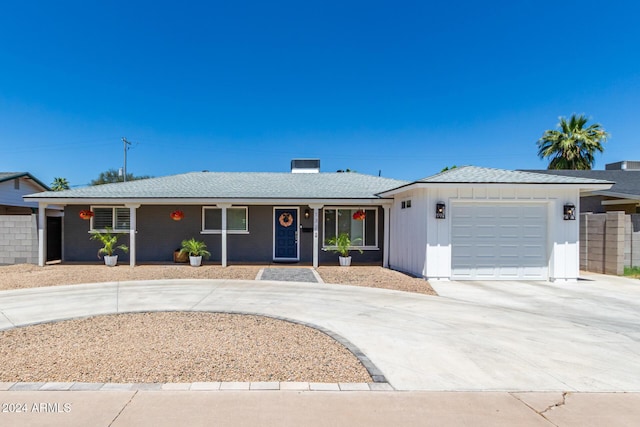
(418, 342)
(530, 347)
(310, 409)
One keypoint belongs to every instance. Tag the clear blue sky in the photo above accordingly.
(400, 86)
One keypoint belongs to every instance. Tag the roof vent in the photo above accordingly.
(305, 166)
(624, 165)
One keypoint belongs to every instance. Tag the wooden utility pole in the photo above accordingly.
(126, 145)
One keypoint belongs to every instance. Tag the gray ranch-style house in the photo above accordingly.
(466, 223)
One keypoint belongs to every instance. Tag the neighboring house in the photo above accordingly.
(496, 224)
(624, 195)
(18, 220)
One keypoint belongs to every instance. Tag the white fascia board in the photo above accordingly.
(557, 186)
(621, 202)
(614, 194)
(210, 201)
(402, 189)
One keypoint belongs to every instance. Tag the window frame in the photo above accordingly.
(204, 230)
(114, 216)
(373, 247)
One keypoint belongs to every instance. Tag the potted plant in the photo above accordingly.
(341, 245)
(109, 241)
(196, 250)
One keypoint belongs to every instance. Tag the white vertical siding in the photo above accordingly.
(421, 244)
(408, 233)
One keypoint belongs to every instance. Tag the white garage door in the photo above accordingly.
(499, 241)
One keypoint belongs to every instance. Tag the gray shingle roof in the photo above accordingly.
(474, 174)
(626, 181)
(240, 185)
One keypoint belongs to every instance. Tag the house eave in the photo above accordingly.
(416, 185)
(212, 201)
(621, 202)
(26, 175)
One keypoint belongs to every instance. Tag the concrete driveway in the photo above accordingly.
(513, 336)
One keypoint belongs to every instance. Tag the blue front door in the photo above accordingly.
(285, 245)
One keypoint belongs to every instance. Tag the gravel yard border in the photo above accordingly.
(22, 276)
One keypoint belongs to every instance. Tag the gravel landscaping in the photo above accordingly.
(179, 347)
(30, 276)
(174, 347)
(375, 277)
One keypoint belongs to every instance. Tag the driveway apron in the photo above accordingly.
(419, 342)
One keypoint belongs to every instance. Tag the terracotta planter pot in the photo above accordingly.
(180, 257)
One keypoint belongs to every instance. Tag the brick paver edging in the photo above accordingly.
(202, 386)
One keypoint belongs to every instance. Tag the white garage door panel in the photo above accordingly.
(499, 241)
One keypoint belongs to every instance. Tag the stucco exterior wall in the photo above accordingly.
(18, 239)
(77, 246)
(158, 236)
(421, 244)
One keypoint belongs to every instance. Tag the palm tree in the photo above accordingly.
(60, 184)
(572, 146)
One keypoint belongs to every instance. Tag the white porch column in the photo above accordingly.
(316, 215)
(385, 247)
(42, 234)
(132, 233)
(224, 207)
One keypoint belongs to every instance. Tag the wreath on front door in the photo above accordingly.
(286, 219)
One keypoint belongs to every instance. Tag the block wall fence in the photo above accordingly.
(609, 242)
(18, 239)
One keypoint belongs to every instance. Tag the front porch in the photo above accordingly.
(234, 233)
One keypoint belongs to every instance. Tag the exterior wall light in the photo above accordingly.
(440, 211)
(569, 212)
(307, 213)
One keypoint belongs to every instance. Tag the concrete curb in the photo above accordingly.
(197, 386)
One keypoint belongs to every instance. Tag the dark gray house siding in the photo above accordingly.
(158, 236)
(77, 246)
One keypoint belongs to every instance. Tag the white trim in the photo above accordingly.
(222, 207)
(223, 241)
(273, 226)
(113, 218)
(42, 234)
(220, 232)
(208, 201)
(583, 186)
(386, 232)
(132, 233)
(374, 247)
(620, 202)
(316, 220)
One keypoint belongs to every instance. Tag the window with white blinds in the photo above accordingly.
(116, 218)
